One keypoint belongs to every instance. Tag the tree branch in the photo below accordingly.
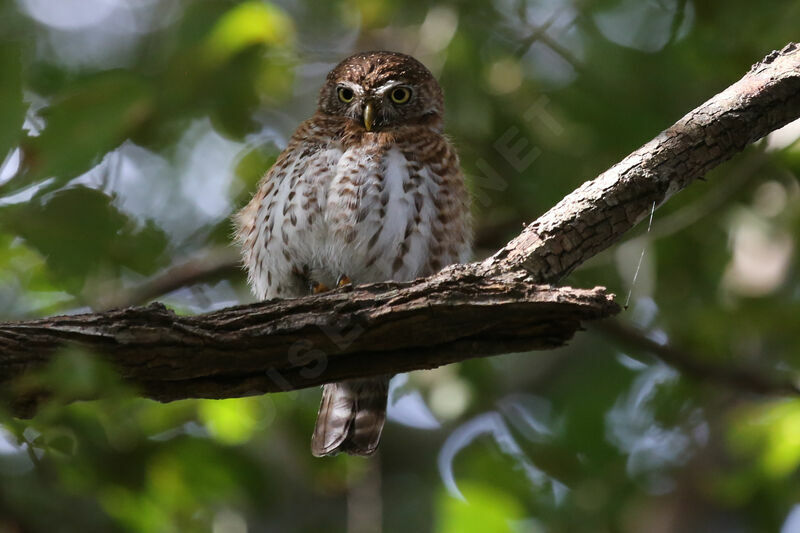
(465, 311)
(213, 263)
(376, 329)
(598, 213)
(693, 365)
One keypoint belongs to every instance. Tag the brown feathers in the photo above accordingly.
(371, 196)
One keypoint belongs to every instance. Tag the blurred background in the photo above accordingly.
(130, 130)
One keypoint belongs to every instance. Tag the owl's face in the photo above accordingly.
(381, 91)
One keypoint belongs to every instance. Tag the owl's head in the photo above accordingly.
(383, 90)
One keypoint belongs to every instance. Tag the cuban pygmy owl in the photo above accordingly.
(368, 189)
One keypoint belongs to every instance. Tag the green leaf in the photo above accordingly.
(247, 24)
(231, 421)
(90, 118)
(485, 509)
(772, 431)
(81, 233)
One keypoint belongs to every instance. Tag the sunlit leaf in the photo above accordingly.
(772, 432)
(485, 509)
(247, 24)
(231, 421)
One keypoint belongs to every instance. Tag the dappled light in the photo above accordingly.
(131, 131)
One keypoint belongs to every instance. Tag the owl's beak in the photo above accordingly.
(369, 116)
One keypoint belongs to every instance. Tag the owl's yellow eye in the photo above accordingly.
(400, 95)
(346, 94)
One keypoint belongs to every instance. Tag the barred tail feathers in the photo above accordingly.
(351, 417)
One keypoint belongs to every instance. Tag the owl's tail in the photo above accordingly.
(351, 417)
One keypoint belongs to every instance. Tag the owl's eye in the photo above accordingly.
(346, 94)
(400, 95)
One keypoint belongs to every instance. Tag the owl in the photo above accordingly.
(368, 189)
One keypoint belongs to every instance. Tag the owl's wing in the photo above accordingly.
(440, 206)
(451, 228)
(279, 229)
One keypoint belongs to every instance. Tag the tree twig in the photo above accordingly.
(208, 265)
(694, 365)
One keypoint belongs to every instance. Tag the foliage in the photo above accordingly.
(132, 130)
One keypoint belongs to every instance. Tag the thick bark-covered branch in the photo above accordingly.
(598, 213)
(376, 329)
(465, 311)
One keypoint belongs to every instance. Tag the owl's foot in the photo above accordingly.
(317, 287)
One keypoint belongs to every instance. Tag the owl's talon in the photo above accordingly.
(317, 287)
(343, 281)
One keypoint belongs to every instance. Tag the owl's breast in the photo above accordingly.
(369, 212)
(380, 211)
